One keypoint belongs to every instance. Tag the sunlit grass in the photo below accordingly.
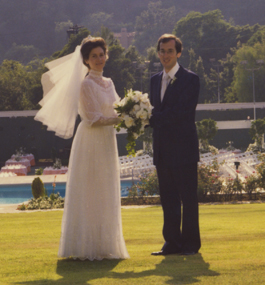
(233, 250)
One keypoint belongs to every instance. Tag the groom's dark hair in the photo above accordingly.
(168, 37)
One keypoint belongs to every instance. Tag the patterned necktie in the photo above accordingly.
(165, 81)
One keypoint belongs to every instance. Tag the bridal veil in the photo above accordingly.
(61, 90)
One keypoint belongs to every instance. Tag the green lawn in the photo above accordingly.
(233, 250)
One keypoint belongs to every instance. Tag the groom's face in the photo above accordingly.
(168, 55)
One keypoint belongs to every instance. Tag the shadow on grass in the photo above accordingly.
(177, 269)
(79, 272)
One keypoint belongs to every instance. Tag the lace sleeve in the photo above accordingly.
(90, 109)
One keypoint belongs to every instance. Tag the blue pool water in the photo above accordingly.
(18, 193)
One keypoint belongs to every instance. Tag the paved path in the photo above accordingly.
(29, 178)
(12, 208)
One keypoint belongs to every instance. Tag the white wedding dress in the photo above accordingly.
(91, 225)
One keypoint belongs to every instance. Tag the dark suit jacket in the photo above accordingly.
(175, 140)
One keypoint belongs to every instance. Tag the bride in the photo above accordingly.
(91, 225)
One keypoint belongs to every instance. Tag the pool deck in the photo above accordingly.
(12, 208)
(29, 178)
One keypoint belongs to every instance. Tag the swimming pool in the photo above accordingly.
(19, 193)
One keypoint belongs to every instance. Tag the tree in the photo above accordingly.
(60, 37)
(209, 35)
(22, 53)
(206, 93)
(138, 73)
(206, 130)
(226, 78)
(97, 20)
(74, 41)
(243, 80)
(20, 87)
(154, 22)
(118, 67)
(257, 131)
(192, 58)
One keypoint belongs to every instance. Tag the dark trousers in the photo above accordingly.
(179, 186)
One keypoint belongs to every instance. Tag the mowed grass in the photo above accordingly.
(233, 250)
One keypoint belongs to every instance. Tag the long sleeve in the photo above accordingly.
(91, 109)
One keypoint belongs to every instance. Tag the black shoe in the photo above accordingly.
(163, 252)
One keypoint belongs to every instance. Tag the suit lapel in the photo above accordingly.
(158, 90)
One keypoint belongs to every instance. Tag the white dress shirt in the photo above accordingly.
(167, 77)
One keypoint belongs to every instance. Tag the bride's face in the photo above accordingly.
(97, 59)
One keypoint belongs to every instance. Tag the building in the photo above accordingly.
(124, 37)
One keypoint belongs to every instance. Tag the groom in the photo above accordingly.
(174, 95)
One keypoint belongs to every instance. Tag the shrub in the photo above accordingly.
(57, 164)
(37, 187)
(206, 129)
(237, 185)
(208, 148)
(261, 170)
(55, 201)
(251, 184)
(39, 171)
(22, 207)
(255, 148)
(148, 186)
(132, 191)
(208, 179)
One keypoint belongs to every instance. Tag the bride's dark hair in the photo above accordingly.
(90, 43)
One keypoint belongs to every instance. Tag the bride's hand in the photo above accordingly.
(107, 121)
(118, 120)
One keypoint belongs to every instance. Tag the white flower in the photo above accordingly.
(128, 121)
(139, 113)
(122, 116)
(130, 94)
(132, 113)
(142, 114)
(173, 80)
(116, 104)
(138, 93)
(145, 122)
(137, 96)
(124, 101)
(135, 136)
(150, 112)
(144, 105)
(136, 108)
(145, 98)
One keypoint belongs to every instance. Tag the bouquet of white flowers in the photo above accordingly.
(135, 111)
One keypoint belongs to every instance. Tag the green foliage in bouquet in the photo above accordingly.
(134, 110)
